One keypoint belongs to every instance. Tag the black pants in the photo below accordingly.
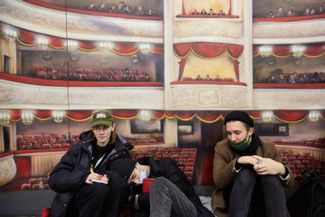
(256, 195)
(99, 200)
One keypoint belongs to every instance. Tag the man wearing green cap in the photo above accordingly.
(85, 185)
(248, 172)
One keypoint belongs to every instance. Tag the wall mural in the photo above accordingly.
(53, 76)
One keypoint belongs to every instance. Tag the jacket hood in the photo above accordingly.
(87, 135)
(120, 143)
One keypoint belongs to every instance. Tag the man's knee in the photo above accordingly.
(161, 182)
(246, 177)
(98, 190)
(118, 183)
(272, 181)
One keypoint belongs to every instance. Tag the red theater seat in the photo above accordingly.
(46, 212)
(147, 184)
(46, 146)
(57, 145)
(33, 180)
(66, 145)
(26, 186)
(37, 146)
(37, 186)
(300, 167)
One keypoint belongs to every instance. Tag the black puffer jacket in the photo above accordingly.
(69, 175)
(168, 168)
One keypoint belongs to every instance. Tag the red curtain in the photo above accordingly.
(158, 115)
(291, 116)
(230, 8)
(181, 68)
(236, 68)
(124, 114)
(125, 48)
(315, 50)
(56, 42)
(15, 114)
(26, 37)
(156, 49)
(184, 115)
(170, 114)
(282, 50)
(235, 50)
(255, 114)
(79, 114)
(182, 49)
(208, 49)
(43, 114)
(208, 117)
(87, 45)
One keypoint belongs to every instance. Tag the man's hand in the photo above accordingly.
(96, 177)
(104, 179)
(247, 160)
(268, 166)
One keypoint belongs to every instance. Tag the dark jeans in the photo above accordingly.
(99, 200)
(166, 200)
(256, 195)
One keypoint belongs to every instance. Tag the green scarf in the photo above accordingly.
(239, 146)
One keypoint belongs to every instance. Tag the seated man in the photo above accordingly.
(84, 185)
(248, 173)
(170, 195)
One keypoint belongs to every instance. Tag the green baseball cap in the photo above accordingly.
(102, 118)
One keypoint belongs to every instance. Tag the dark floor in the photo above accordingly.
(30, 203)
(24, 203)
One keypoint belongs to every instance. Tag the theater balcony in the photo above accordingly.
(286, 97)
(223, 29)
(200, 81)
(24, 92)
(199, 21)
(208, 96)
(81, 25)
(279, 29)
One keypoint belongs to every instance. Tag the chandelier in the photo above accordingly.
(145, 48)
(42, 42)
(313, 116)
(27, 117)
(10, 33)
(145, 115)
(106, 45)
(298, 51)
(267, 116)
(4, 117)
(265, 51)
(58, 116)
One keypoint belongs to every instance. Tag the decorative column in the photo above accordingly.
(13, 55)
(247, 75)
(170, 130)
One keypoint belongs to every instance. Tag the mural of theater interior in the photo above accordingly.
(167, 70)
